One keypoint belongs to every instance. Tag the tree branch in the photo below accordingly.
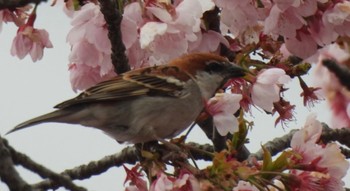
(8, 173)
(113, 19)
(23, 160)
(341, 135)
(128, 155)
(328, 135)
(11, 4)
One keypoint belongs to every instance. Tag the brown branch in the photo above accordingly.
(275, 146)
(23, 160)
(8, 173)
(11, 4)
(128, 155)
(113, 19)
(328, 135)
(341, 135)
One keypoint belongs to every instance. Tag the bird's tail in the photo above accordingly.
(55, 116)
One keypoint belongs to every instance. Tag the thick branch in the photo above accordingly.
(113, 19)
(8, 173)
(10, 4)
(341, 135)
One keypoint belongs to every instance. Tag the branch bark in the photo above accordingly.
(113, 17)
(26, 162)
(328, 135)
(8, 173)
(11, 4)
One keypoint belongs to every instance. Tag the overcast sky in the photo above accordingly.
(31, 89)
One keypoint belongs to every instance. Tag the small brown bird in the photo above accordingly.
(147, 104)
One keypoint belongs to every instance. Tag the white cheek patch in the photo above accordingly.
(175, 81)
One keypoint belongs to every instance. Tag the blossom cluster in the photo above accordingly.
(308, 165)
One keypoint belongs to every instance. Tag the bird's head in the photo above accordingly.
(210, 71)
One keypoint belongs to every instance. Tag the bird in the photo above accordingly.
(147, 104)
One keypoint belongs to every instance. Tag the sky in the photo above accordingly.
(31, 89)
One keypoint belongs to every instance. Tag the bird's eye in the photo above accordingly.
(215, 66)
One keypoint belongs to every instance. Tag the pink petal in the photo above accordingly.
(304, 48)
(21, 46)
(162, 14)
(265, 95)
(225, 123)
(36, 52)
(149, 31)
(85, 53)
(271, 76)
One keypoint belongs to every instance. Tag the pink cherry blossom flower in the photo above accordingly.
(30, 41)
(17, 15)
(90, 58)
(222, 107)
(245, 186)
(337, 18)
(246, 15)
(327, 162)
(163, 182)
(266, 89)
(83, 76)
(185, 182)
(181, 27)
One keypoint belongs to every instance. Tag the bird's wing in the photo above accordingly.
(159, 80)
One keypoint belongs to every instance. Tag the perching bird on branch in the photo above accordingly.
(147, 104)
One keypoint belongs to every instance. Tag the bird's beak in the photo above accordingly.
(237, 71)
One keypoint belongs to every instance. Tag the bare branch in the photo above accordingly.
(276, 145)
(8, 173)
(23, 160)
(10, 4)
(127, 155)
(328, 135)
(113, 19)
(341, 135)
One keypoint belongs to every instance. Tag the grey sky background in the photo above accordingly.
(31, 89)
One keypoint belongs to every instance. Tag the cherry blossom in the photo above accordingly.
(266, 89)
(163, 182)
(182, 28)
(91, 49)
(222, 107)
(185, 182)
(30, 41)
(244, 186)
(326, 165)
(246, 15)
(18, 15)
